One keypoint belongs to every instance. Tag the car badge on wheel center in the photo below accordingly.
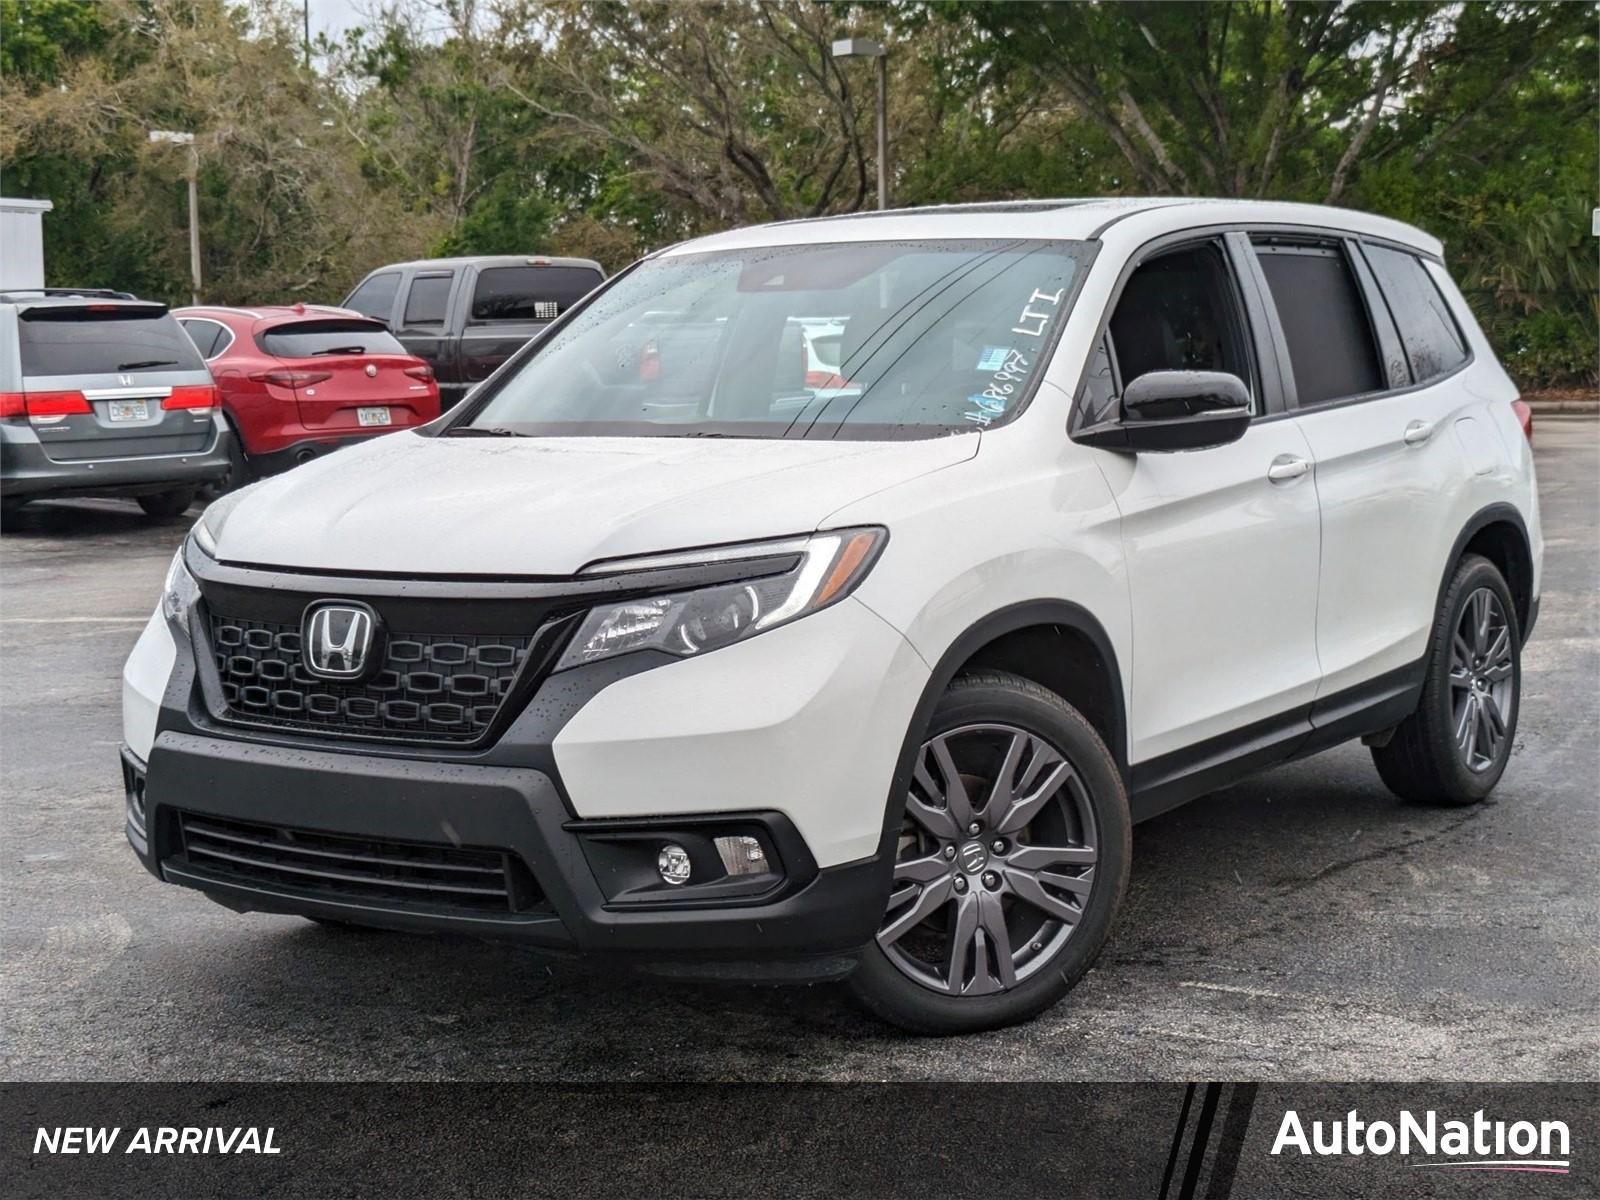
(974, 857)
(337, 640)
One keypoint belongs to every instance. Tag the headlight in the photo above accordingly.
(180, 591)
(685, 623)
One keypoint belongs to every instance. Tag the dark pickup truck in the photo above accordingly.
(466, 316)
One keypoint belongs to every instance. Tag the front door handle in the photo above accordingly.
(1417, 432)
(1286, 467)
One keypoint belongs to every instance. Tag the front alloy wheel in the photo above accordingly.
(996, 861)
(1011, 859)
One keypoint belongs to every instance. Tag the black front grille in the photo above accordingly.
(351, 869)
(430, 687)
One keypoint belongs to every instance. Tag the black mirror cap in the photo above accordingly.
(1175, 410)
(1165, 395)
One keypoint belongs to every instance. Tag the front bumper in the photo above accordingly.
(27, 471)
(807, 915)
(791, 737)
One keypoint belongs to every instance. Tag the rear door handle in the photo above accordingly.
(1286, 467)
(1417, 432)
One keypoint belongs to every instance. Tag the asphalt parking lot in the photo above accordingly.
(1304, 925)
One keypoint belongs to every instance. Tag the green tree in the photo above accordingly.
(608, 129)
(285, 213)
(1475, 122)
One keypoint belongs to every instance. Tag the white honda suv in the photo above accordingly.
(678, 642)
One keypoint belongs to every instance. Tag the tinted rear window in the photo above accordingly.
(207, 336)
(428, 300)
(1324, 321)
(1432, 340)
(312, 339)
(530, 293)
(76, 341)
(375, 297)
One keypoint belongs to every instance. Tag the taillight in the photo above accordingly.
(291, 379)
(1524, 412)
(198, 396)
(44, 404)
(423, 371)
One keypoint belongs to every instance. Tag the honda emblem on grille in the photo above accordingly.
(337, 639)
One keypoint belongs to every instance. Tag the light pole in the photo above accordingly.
(187, 139)
(867, 48)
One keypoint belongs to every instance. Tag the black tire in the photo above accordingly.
(240, 469)
(993, 704)
(1424, 762)
(164, 506)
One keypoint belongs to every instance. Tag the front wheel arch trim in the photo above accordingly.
(997, 624)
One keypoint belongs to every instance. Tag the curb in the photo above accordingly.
(1565, 408)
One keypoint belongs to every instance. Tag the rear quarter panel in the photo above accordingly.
(1512, 479)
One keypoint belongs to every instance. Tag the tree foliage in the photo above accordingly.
(607, 129)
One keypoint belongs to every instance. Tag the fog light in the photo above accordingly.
(673, 863)
(742, 855)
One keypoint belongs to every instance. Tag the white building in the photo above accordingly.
(22, 243)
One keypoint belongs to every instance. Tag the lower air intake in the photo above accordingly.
(335, 867)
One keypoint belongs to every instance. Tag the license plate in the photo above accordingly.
(372, 416)
(129, 410)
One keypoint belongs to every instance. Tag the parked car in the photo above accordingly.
(103, 395)
(1103, 505)
(300, 380)
(466, 316)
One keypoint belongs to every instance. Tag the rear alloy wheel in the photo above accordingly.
(166, 505)
(1455, 747)
(1011, 860)
(1482, 681)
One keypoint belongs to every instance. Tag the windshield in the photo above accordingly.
(862, 340)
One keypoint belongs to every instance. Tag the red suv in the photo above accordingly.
(301, 380)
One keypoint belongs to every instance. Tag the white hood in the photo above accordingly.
(547, 506)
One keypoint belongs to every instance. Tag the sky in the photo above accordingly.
(333, 17)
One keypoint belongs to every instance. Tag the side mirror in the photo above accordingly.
(1175, 410)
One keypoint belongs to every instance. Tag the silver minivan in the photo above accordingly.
(104, 395)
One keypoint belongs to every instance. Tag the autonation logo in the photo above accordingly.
(1479, 1144)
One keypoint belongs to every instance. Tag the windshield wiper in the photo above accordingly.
(147, 362)
(339, 350)
(479, 431)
